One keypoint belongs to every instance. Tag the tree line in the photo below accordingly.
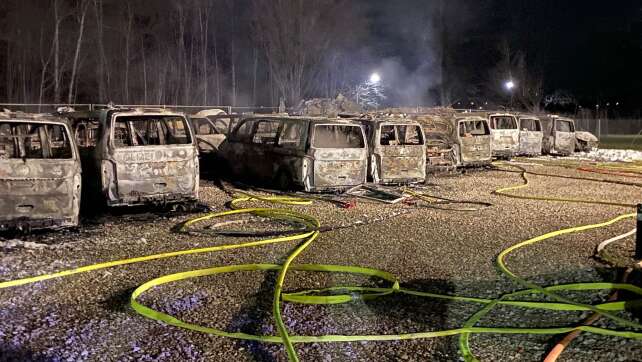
(232, 52)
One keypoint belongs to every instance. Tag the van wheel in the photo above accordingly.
(283, 181)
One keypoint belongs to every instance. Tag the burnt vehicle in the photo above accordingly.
(440, 153)
(40, 173)
(397, 151)
(559, 135)
(210, 129)
(473, 147)
(585, 141)
(137, 156)
(315, 154)
(505, 132)
(530, 135)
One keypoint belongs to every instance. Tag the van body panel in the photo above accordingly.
(155, 172)
(40, 192)
(530, 139)
(338, 168)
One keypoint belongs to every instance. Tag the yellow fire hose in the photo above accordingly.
(346, 294)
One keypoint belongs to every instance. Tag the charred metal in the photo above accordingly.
(40, 173)
(315, 154)
(137, 156)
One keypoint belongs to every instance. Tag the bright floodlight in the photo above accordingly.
(509, 85)
(375, 78)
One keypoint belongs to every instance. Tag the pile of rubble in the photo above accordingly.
(328, 107)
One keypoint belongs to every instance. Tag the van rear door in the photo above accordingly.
(340, 155)
(155, 158)
(530, 136)
(403, 154)
(564, 136)
(39, 174)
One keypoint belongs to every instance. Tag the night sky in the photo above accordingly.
(438, 52)
(592, 49)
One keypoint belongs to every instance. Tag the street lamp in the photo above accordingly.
(375, 78)
(509, 85)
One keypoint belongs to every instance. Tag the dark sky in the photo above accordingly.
(592, 49)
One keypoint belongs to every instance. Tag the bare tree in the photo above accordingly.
(83, 5)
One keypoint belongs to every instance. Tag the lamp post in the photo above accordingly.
(510, 85)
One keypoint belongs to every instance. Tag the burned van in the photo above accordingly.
(530, 135)
(505, 132)
(440, 141)
(40, 174)
(559, 135)
(137, 156)
(473, 142)
(397, 151)
(315, 154)
(210, 129)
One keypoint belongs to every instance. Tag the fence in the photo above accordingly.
(616, 126)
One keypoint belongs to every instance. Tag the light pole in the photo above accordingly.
(510, 85)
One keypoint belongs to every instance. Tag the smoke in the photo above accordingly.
(409, 87)
(408, 50)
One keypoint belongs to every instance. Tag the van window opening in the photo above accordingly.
(265, 132)
(291, 135)
(504, 122)
(563, 126)
(87, 133)
(400, 135)
(205, 126)
(532, 125)
(132, 131)
(473, 128)
(338, 136)
(23, 140)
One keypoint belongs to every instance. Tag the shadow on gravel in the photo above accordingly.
(118, 302)
(408, 313)
(254, 315)
(13, 353)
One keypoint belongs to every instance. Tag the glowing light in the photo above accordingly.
(509, 85)
(375, 78)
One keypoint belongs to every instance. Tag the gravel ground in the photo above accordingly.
(87, 316)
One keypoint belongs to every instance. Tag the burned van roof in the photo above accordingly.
(7, 115)
(315, 119)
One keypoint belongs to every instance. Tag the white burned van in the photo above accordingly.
(40, 174)
(138, 156)
(505, 132)
(559, 135)
(397, 150)
(530, 135)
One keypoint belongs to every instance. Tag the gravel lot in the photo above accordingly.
(87, 316)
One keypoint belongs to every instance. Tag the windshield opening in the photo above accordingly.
(528, 124)
(473, 128)
(24, 140)
(150, 130)
(504, 122)
(563, 126)
(400, 135)
(338, 136)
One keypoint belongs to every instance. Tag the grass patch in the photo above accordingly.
(622, 142)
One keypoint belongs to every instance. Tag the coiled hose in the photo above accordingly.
(347, 294)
